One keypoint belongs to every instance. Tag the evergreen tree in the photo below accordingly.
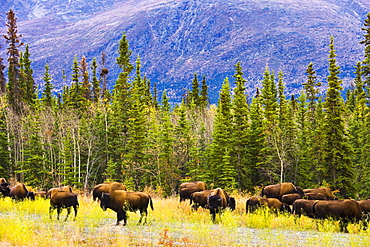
(339, 169)
(26, 79)
(312, 91)
(366, 62)
(85, 86)
(47, 98)
(221, 171)
(95, 82)
(194, 92)
(204, 99)
(240, 127)
(2, 76)
(256, 137)
(13, 39)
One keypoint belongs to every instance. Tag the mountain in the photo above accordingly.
(176, 38)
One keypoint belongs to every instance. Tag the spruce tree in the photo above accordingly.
(12, 37)
(240, 127)
(26, 79)
(366, 62)
(338, 166)
(85, 85)
(47, 98)
(95, 82)
(221, 172)
(194, 92)
(2, 76)
(204, 99)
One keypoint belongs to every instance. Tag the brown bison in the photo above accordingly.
(315, 196)
(365, 206)
(63, 188)
(60, 199)
(4, 187)
(199, 184)
(216, 202)
(272, 203)
(199, 199)
(185, 193)
(290, 198)
(20, 192)
(345, 211)
(303, 206)
(326, 191)
(108, 187)
(121, 201)
(278, 190)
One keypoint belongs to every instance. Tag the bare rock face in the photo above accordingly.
(175, 38)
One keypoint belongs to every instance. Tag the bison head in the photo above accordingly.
(214, 202)
(104, 200)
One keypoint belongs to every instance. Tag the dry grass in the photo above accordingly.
(170, 224)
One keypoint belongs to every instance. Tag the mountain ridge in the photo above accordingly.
(175, 39)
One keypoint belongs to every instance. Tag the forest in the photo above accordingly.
(87, 133)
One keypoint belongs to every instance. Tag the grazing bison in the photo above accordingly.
(60, 199)
(274, 204)
(365, 206)
(63, 188)
(20, 192)
(121, 201)
(290, 198)
(345, 211)
(99, 189)
(315, 196)
(326, 191)
(303, 206)
(217, 201)
(5, 189)
(199, 184)
(278, 190)
(185, 193)
(199, 199)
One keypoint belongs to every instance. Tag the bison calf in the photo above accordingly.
(63, 199)
(121, 201)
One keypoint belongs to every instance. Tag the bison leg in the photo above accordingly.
(51, 209)
(75, 207)
(121, 215)
(68, 212)
(59, 210)
(143, 213)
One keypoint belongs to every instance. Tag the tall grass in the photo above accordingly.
(171, 223)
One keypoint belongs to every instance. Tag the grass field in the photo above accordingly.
(171, 223)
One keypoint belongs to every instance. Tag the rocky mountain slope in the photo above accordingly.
(175, 38)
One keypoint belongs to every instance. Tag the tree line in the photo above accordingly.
(88, 134)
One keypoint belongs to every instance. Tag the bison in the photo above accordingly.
(199, 199)
(5, 189)
(345, 211)
(315, 196)
(365, 206)
(185, 193)
(199, 184)
(60, 199)
(99, 189)
(20, 192)
(121, 201)
(326, 191)
(63, 188)
(217, 201)
(278, 190)
(272, 203)
(290, 198)
(303, 206)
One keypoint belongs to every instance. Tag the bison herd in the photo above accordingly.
(318, 203)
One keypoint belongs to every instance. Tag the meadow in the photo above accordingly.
(171, 223)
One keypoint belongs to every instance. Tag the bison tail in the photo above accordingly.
(151, 203)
